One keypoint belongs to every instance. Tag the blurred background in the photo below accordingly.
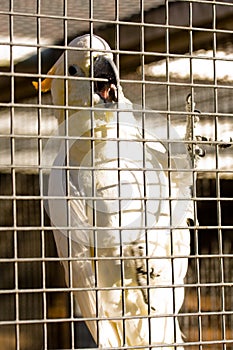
(164, 50)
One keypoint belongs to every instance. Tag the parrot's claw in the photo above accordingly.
(142, 273)
(226, 144)
(195, 151)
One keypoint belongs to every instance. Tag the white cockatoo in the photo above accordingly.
(120, 203)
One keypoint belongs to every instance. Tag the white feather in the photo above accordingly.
(94, 223)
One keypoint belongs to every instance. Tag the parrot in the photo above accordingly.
(120, 203)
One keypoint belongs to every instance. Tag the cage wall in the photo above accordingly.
(163, 51)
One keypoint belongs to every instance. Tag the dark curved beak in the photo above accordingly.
(105, 68)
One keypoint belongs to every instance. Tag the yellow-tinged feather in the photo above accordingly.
(46, 83)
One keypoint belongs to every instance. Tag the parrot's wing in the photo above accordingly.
(84, 275)
(75, 251)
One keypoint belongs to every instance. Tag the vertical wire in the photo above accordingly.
(143, 63)
(121, 251)
(194, 176)
(117, 37)
(167, 42)
(93, 170)
(142, 29)
(44, 311)
(13, 177)
(67, 171)
(218, 186)
(192, 109)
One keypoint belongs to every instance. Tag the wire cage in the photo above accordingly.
(163, 51)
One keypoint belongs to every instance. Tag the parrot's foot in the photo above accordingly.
(142, 274)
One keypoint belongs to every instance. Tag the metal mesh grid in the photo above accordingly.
(34, 298)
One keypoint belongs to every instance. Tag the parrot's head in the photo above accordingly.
(89, 61)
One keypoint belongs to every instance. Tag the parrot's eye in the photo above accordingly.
(73, 70)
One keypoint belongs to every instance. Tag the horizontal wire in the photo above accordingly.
(115, 318)
(128, 80)
(6, 168)
(135, 109)
(167, 285)
(143, 197)
(125, 258)
(35, 169)
(119, 22)
(120, 198)
(124, 51)
(119, 228)
(155, 140)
